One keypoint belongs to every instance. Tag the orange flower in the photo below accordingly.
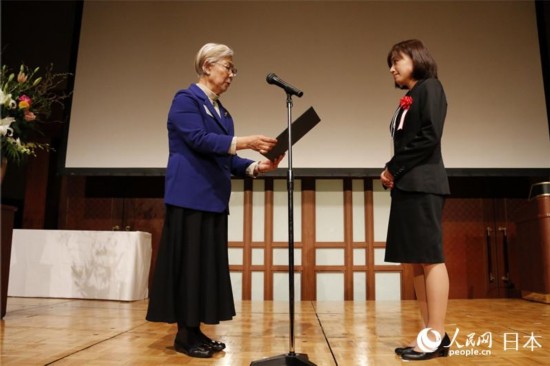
(29, 116)
(21, 77)
(24, 102)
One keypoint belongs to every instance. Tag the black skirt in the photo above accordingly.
(414, 229)
(191, 283)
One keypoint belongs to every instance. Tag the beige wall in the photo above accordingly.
(134, 55)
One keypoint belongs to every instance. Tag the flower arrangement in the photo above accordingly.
(26, 101)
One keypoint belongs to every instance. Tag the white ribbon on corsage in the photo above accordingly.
(402, 120)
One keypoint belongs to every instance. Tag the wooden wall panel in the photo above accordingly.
(147, 215)
(309, 286)
(464, 238)
(34, 210)
(533, 237)
(465, 224)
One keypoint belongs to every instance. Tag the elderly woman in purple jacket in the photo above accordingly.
(191, 283)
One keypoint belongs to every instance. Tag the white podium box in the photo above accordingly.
(106, 265)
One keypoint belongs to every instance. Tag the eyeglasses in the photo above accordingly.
(230, 68)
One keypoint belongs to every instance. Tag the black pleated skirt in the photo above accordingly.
(191, 283)
(414, 229)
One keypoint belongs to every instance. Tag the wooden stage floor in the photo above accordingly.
(86, 332)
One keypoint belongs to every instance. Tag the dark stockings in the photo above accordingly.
(190, 335)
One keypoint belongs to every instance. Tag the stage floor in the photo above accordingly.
(88, 332)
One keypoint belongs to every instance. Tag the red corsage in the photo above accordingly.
(406, 102)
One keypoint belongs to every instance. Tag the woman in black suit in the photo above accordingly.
(418, 182)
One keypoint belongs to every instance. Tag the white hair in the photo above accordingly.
(211, 53)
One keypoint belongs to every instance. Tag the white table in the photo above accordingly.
(108, 265)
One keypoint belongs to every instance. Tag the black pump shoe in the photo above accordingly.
(400, 350)
(198, 350)
(441, 351)
(213, 345)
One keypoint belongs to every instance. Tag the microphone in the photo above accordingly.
(272, 78)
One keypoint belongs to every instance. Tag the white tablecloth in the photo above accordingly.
(109, 265)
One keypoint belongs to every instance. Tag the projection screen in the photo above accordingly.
(134, 55)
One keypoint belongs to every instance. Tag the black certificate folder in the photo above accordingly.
(300, 127)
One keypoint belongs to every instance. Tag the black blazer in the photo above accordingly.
(417, 164)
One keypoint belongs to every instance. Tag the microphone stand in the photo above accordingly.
(291, 358)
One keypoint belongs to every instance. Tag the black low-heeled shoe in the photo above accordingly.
(214, 345)
(441, 351)
(210, 343)
(400, 350)
(198, 350)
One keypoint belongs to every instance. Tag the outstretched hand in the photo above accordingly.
(259, 143)
(267, 165)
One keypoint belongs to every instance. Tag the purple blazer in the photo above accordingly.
(198, 175)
